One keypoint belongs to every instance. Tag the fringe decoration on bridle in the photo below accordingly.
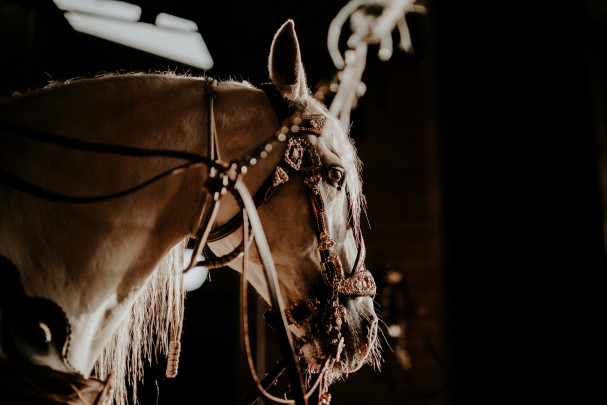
(176, 303)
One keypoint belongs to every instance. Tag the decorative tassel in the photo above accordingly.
(176, 327)
(173, 360)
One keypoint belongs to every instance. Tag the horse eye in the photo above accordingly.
(335, 175)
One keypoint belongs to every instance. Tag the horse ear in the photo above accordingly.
(286, 70)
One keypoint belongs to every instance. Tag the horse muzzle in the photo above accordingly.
(354, 321)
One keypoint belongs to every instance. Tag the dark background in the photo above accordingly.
(484, 170)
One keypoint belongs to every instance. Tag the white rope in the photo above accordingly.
(367, 29)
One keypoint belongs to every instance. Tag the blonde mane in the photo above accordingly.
(144, 334)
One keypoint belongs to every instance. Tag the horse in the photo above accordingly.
(94, 221)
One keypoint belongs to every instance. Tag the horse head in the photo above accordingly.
(310, 215)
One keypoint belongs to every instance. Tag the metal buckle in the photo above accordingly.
(326, 242)
(312, 182)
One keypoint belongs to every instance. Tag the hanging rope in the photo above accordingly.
(371, 22)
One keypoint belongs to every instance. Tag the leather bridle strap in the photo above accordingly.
(283, 110)
(310, 124)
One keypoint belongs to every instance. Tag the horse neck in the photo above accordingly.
(147, 111)
(96, 257)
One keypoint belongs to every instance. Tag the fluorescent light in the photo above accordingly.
(173, 37)
(102, 8)
(177, 23)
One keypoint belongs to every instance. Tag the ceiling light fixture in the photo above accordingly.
(170, 37)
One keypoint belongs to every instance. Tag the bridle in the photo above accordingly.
(300, 157)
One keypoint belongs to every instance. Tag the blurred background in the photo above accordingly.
(485, 175)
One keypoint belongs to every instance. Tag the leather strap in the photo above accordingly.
(310, 124)
(283, 109)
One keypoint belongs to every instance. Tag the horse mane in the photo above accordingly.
(57, 84)
(144, 334)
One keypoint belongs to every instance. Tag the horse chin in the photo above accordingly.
(361, 345)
